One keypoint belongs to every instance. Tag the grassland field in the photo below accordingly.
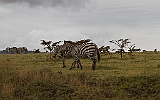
(36, 77)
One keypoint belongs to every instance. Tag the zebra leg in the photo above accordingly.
(64, 65)
(79, 64)
(73, 64)
(76, 60)
(94, 64)
(63, 60)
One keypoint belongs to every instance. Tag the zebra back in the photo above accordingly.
(61, 50)
(82, 50)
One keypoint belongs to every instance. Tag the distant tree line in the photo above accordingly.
(17, 50)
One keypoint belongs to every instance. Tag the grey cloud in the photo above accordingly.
(50, 3)
(32, 39)
(100, 20)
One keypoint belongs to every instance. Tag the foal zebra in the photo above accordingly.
(63, 53)
(78, 51)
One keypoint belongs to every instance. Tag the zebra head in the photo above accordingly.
(57, 49)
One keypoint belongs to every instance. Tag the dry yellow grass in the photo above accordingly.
(32, 76)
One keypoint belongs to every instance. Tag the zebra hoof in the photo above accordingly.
(70, 68)
(64, 66)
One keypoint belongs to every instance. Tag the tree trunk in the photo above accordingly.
(121, 53)
(50, 55)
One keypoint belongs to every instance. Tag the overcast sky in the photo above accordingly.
(26, 22)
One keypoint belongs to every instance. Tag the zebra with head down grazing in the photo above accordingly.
(63, 53)
(78, 51)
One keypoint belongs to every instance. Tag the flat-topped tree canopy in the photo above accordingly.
(46, 42)
(55, 43)
(83, 41)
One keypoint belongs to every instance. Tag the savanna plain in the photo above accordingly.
(37, 77)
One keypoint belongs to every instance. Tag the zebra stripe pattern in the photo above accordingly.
(63, 53)
(77, 51)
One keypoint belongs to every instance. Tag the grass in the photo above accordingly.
(34, 77)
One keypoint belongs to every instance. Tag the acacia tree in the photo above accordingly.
(49, 45)
(121, 43)
(104, 49)
(83, 41)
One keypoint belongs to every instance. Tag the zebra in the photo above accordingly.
(63, 53)
(81, 51)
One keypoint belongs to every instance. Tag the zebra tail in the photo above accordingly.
(98, 55)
